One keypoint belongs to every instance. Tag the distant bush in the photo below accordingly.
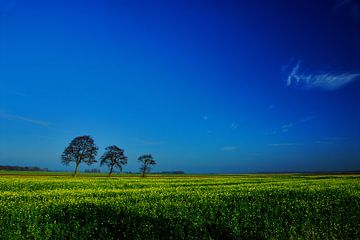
(93, 170)
(172, 172)
(18, 168)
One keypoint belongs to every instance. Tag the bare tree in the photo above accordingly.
(81, 149)
(146, 161)
(113, 157)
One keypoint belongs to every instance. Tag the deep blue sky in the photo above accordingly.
(205, 86)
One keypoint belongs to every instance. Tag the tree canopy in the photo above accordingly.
(146, 161)
(81, 149)
(113, 157)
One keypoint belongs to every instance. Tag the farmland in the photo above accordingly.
(279, 206)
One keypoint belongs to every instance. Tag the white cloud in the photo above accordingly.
(12, 117)
(234, 126)
(317, 80)
(229, 148)
(288, 126)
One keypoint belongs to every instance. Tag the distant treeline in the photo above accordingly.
(163, 172)
(93, 170)
(172, 172)
(18, 168)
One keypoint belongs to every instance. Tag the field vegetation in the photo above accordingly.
(287, 206)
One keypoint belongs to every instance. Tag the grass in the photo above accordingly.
(260, 206)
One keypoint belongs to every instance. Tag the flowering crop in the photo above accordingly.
(188, 207)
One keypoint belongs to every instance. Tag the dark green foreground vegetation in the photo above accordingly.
(188, 207)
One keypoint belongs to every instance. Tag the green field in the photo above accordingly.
(180, 207)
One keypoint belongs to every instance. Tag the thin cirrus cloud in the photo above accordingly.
(13, 117)
(351, 6)
(288, 126)
(229, 148)
(328, 81)
(150, 142)
(271, 107)
(284, 144)
(331, 140)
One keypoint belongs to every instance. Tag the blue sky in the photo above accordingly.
(205, 86)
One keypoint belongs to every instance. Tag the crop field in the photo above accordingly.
(288, 206)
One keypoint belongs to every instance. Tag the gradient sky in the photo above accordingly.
(205, 86)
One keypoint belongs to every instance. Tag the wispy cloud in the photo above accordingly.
(234, 126)
(284, 144)
(288, 126)
(324, 142)
(331, 140)
(324, 80)
(352, 6)
(150, 142)
(229, 148)
(271, 107)
(13, 117)
(205, 118)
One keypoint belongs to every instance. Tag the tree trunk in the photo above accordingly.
(111, 169)
(76, 170)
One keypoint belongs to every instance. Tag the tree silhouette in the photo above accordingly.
(146, 161)
(81, 149)
(113, 157)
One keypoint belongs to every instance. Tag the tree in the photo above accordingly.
(113, 157)
(81, 149)
(146, 161)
